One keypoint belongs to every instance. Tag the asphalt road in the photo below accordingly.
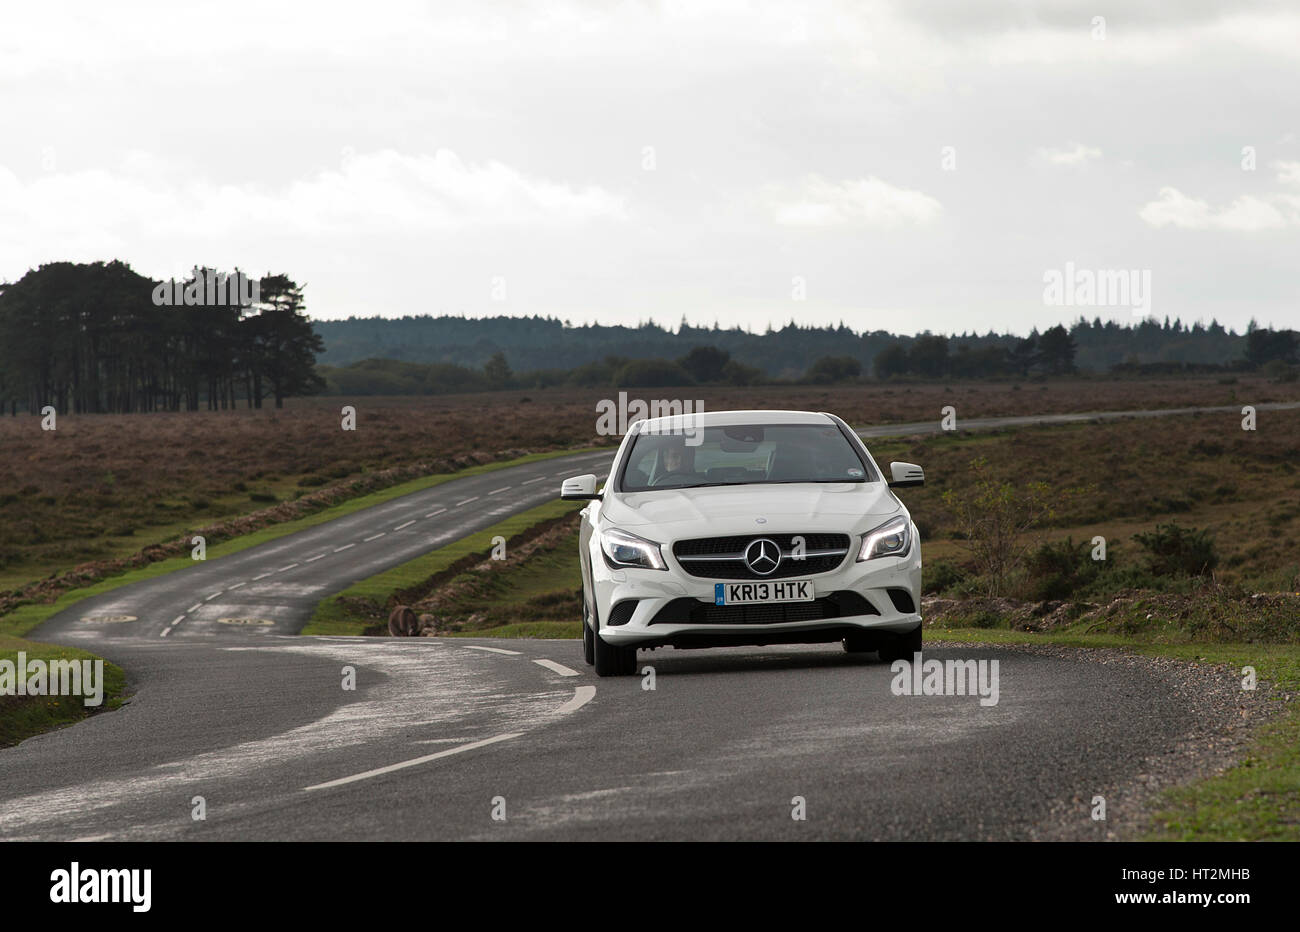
(487, 739)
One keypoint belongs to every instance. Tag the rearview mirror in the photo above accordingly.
(577, 488)
(905, 474)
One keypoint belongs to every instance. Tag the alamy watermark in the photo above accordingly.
(209, 288)
(37, 677)
(616, 416)
(916, 677)
(1071, 287)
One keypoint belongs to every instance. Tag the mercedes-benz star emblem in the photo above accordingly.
(763, 556)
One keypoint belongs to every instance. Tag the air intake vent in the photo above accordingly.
(902, 600)
(621, 613)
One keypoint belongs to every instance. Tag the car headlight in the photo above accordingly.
(891, 539)
(624, 549)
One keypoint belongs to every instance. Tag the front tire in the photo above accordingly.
(611, 660)
(901, 646)
(588, 638)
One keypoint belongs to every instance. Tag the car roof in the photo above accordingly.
(729, 418)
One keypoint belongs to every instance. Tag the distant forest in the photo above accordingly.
(445, 354)
(99, 337)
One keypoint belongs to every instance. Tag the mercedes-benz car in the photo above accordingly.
(746, 528)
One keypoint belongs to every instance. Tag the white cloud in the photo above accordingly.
(1246, 214)
(1288, 172)
(1077, 154)
(380, 192)
(863, 202)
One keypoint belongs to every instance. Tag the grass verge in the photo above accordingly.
(353, 611)
(27, 616)
(22, 717)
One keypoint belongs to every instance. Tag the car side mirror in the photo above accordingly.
(906, 474)
(578, 488)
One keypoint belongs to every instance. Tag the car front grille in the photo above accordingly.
(723, 557)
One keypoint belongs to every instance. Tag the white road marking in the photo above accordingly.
(235, 586)
(319, 556)
(495, 650)
(344, 547)
(211, 597)
(193, 607)
(366, 540)
(504, 488)
(286, 568)
(400, 526)
(415, 762)
(165, 632)
(531, 481)
(177, 620)
(556, 667)
(581, 696)
(263, 576)
(438, 512)
(466, 501)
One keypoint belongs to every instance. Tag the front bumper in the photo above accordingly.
(653, 608)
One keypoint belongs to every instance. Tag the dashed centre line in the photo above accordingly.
(193, 607)
(319, 556)
(407, 524)
(414, 763)
(494, 650)
(437, 512)
(504, 488)
(556, 667)
(344, 547)
(467, 501)
(175, 621)
(366, 540)
(263, 576)
(211, 597)
(286, 568)
(531, 481)
(235, 586)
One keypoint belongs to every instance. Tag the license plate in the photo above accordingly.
(746, 593)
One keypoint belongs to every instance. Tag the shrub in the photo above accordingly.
(829, 369)
(1059, 570)
(736, 373)
(994, 517)
(1173, 550)
(651, 373)
(940, 577)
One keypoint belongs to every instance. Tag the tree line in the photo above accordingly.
(99, 337)
(927, 357)
(536, 343)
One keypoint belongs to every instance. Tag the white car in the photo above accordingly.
(746, 527)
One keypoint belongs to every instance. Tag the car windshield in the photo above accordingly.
(740, 455)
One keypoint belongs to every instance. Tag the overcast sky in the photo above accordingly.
(901, 166)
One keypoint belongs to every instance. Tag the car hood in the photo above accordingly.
(735, 509)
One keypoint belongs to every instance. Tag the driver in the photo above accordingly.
(676, 459)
